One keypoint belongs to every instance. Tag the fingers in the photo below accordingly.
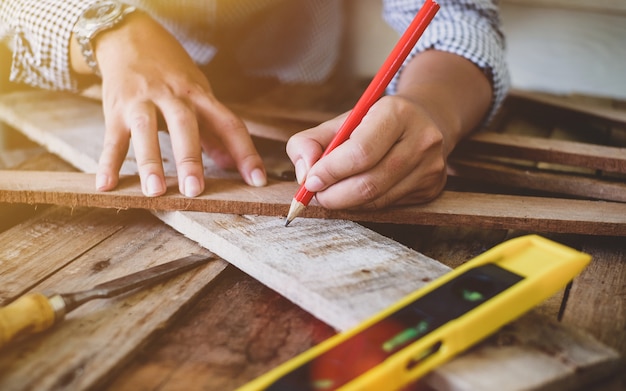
(235, 144)
(142, 122)
(194, 123)
(306, 147)
(389, 182)
(396, 153)
(366, 148)
(184, 134)
(114, 150)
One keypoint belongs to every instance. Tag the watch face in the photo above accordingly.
(103, 11)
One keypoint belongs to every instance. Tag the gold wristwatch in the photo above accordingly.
(99, 17)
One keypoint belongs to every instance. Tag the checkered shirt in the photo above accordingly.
(292, 40)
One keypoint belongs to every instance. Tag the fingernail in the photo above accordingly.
(154, 185)
(192, 186)
(300, 170)
(314, 184)
(102, 182)
(257, 176)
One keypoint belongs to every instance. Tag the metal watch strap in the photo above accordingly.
(84, 38)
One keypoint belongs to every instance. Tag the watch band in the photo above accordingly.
(99, 17)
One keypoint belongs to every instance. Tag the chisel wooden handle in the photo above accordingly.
(29, 314)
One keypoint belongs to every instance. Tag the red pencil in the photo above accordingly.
(373, 92)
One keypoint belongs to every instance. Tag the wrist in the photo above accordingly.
(454, 92)
(96, 20)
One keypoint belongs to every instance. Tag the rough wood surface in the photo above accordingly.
(339, 271)
(548, 182)
(99, 337)
(234, 197)
(607, 6)
(571, 153)
(238, 330)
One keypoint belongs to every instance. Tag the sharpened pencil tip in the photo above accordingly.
(294, 210)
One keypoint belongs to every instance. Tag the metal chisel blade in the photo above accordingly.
(141, 279)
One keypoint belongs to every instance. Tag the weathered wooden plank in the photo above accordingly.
(608, 6)
(99, 337)
(21, 261)
(615, 116)
(540, 180)
(237, 331)
(559, 368)
(598, 297)
(451, 208)
(337, 270)
(571, 153)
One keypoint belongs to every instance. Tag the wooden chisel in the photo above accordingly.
(36, 312)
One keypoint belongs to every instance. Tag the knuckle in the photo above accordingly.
(140, 122)
(147, 164)
(367, 190)
(189, 161)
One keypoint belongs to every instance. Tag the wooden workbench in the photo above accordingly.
(219, 335)
(235, 328)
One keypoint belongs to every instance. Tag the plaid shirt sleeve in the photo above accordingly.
(468, 28)
(38, 33)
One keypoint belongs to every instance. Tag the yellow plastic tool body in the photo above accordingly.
(29, 314)
(36, 312)
(543, 266)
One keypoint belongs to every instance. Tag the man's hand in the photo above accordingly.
(145, 71)
(395, 155)
(399, 151)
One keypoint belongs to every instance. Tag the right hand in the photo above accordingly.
(144, 71)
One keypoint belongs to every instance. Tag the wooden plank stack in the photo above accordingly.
(339, 271)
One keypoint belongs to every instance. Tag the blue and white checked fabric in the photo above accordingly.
(291, 40)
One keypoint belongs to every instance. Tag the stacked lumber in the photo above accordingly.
(556, 147)
(339, 271)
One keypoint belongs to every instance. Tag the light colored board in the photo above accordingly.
(99, 337)
(337, 270)
(450, 208)
(11, 158)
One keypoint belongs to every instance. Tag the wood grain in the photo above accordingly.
(99, 337)
(339, 271)
(612, 115)
(599, 157)
(547, 182)
(17, 254)
(234, 197)
(237, 331)
(607, 6)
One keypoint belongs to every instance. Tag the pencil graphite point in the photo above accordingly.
(294, 210)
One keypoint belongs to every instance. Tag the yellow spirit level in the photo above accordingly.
(431, 325)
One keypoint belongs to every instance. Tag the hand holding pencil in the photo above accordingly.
(369, 97)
